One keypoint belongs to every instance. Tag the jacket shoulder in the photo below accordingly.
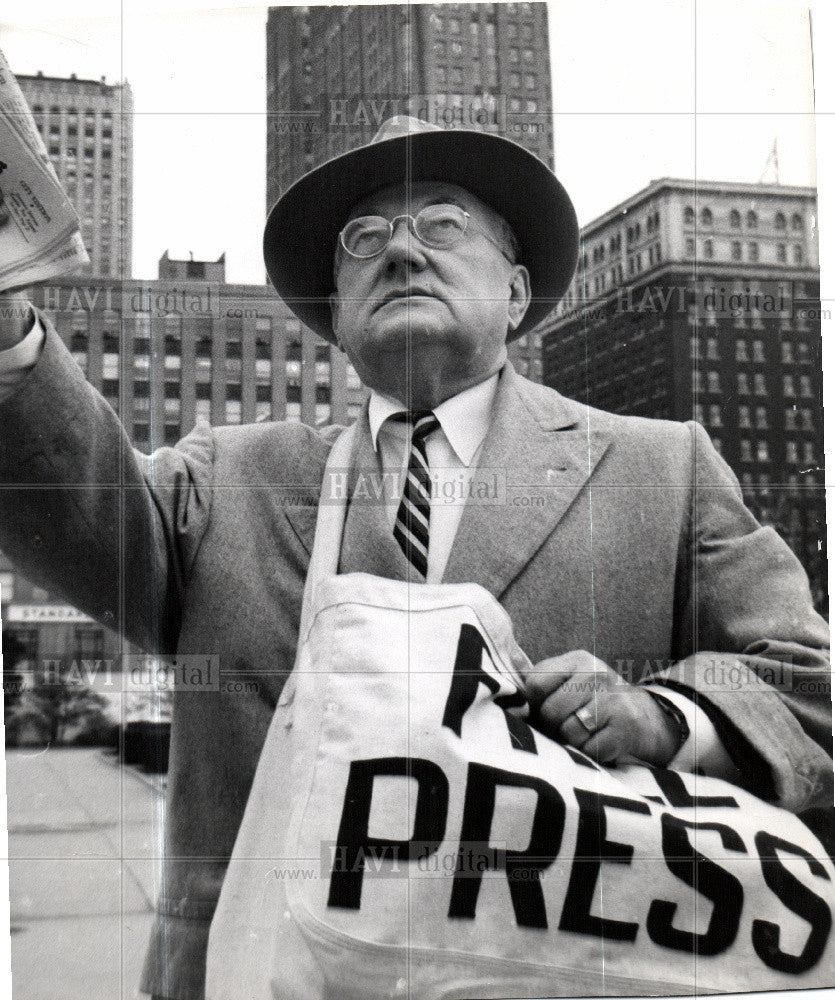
(621, 427)
(274, 451)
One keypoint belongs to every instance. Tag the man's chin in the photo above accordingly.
(397, 332)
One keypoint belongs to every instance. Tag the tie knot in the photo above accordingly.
(423, 422)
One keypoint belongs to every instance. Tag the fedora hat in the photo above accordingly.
(304, 224)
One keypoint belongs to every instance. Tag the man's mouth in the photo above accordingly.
(403, 295)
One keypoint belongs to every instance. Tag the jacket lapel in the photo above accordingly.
(368, 543)
(537, 445)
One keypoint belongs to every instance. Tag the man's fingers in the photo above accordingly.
(550, 675)
(606, 746)
(580, 725)
(546, 677)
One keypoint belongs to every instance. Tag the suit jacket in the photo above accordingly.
(624, 536)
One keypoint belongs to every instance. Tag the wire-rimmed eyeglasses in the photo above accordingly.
(441, 227)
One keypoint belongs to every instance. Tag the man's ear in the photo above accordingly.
(520, 296)
(333, 299)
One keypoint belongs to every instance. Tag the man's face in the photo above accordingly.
(437, 318)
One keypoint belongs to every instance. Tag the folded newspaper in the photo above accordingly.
(39, 235)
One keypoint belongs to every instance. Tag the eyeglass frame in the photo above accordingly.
(390, 222)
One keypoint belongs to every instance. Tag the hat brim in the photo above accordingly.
(304, 225)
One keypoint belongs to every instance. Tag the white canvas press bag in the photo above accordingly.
(409, 835)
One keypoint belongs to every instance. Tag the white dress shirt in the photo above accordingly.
(452, 452)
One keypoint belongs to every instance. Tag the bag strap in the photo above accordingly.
(330, 521)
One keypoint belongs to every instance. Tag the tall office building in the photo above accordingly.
(701, 301)
(334, 74)
(87, 128)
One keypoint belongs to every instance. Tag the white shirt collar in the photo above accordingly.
(464, 419)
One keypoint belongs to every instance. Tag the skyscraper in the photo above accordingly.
(701, 301)
(334, 74)
(87, 128)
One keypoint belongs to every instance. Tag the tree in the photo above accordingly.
(55, 701)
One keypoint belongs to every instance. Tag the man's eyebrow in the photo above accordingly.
(449, 200)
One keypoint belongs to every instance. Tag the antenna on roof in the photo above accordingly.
(772, 162)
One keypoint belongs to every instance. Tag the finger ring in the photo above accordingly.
(587, 717)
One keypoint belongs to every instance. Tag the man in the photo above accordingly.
(421, 255)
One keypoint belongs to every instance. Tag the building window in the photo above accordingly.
(762, 451)
(699, 414)
(745, 450)
(781, 253)
(803, 353)
(788, 386)
(808, 453)
(753, 251)
(713, 384)
(792, 457)
(762, 418)
(690, 246)
(742, 387)
(806, 386)
(791, 418)
(741, 350)
(797, 253)
(689, 216)
(706, 217)
(797, 222)
(735, 219)
(715, 415)
(88, 643)
(712, 349)
(708, 249)
(780, 221)
(751, 220)
(757, 350)
(695, 348)
(736, 250)
(745, 416)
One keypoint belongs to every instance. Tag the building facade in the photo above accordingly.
(702, 302)
(334, 74)
(164, 353)
(87, 128)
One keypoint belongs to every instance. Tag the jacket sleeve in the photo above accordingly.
(751, 650)
(84, 515)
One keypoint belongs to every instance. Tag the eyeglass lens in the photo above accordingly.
(440, 226)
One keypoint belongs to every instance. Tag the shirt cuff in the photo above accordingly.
(16, 362)
(702, 751)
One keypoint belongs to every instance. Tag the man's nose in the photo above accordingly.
(404, 248)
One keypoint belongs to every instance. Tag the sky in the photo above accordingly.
(643, 89)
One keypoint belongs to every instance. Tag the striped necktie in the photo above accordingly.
(411, 527)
